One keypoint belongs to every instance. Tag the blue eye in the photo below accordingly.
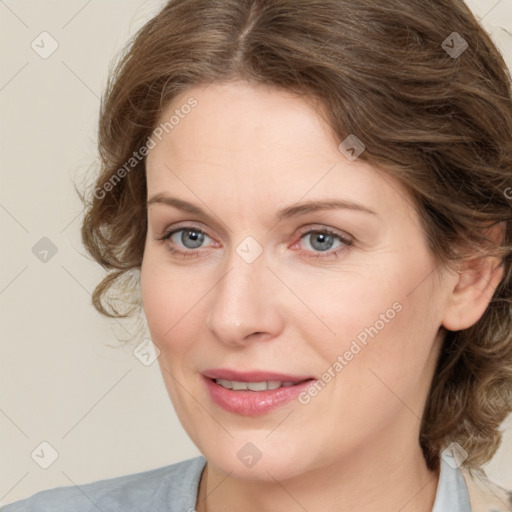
(323, 241)
(192, 238)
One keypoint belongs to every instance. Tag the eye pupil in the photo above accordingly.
(190, 234)
(322, 238)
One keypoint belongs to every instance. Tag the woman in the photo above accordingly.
(313, 195)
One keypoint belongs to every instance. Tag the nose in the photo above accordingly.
(244, 303)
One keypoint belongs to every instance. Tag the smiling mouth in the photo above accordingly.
(254, 395)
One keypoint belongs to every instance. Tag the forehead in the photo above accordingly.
(240, 117)
(246, 140)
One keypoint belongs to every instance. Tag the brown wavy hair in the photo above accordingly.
(440, 122)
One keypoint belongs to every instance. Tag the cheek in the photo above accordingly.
(154, 299)
(351, 305)
(166, 300)
(375, 320)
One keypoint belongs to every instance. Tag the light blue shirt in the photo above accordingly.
(174, 489)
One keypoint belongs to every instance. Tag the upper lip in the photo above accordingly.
(252, 376)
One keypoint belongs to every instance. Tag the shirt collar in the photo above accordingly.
(452, 492)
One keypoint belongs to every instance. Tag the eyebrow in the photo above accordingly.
(286, 213)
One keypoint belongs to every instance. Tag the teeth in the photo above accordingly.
(257, 386)
(252, 386)
(224, 383)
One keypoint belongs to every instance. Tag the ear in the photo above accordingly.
(475, 286)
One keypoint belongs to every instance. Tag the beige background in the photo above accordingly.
(62, 381)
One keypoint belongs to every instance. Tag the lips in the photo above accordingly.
(253, 393)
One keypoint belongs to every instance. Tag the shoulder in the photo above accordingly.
(168, 488)
(485, 495)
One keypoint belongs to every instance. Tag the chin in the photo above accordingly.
(261, 460)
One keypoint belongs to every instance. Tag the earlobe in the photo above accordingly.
(477, 280)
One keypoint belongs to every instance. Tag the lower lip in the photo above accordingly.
(253, 403)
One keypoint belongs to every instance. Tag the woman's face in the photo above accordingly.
(259, 284)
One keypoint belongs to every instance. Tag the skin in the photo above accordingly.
(241, 155)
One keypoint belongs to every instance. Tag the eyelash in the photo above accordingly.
(196, 253)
